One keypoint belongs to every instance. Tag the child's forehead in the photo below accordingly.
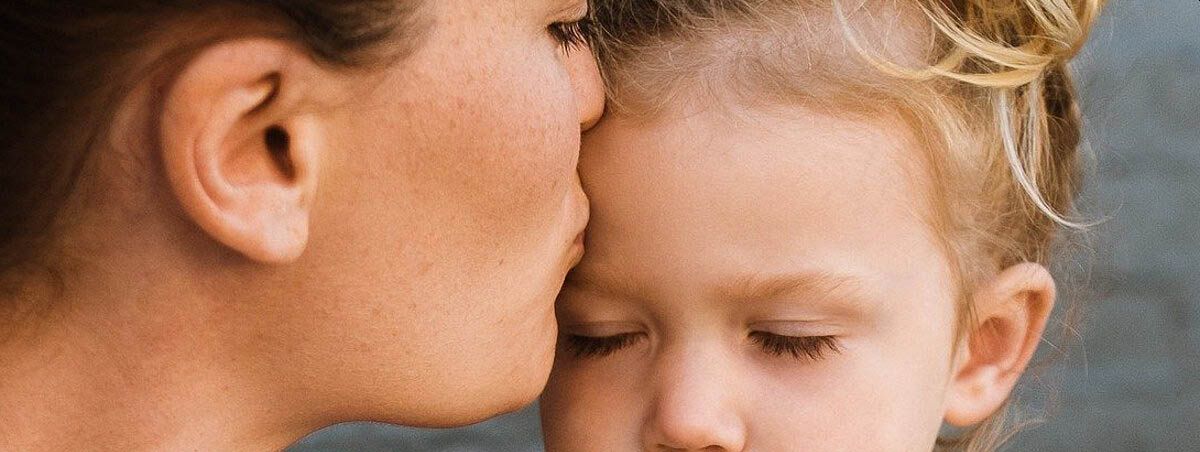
(704, 193)
(795, 154)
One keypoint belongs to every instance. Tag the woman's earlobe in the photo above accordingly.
(1011, 314)
(240, 148)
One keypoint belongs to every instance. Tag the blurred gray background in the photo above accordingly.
(1130, 380)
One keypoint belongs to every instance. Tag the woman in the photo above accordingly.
(226, 224)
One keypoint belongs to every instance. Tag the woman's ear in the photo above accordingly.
(242, 149)
(1011, 314)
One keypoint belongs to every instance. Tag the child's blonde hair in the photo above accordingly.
(985, 83)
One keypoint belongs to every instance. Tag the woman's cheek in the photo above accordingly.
(536, 166)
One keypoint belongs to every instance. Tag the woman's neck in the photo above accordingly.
(126, 369)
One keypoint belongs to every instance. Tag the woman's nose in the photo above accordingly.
(696, 405)
(589, 88)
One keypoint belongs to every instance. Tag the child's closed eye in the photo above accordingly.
(599, 347)
(799, 347)
(812, 348)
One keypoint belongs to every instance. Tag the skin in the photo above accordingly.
(394, 258)
(715, 228)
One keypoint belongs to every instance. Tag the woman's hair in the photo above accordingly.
(984, 83)
(64, 65)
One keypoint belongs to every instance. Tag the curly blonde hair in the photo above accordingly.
(984, 82)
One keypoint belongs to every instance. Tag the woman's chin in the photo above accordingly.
(515, 375)
(517, 390)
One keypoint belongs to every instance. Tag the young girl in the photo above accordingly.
(817, 226)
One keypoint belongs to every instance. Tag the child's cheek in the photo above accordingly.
(595, 404)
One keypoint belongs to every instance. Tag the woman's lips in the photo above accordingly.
(577, 249)
(582, 213)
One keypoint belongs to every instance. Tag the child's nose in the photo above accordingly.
(695, 406)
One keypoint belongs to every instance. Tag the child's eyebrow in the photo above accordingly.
(573, 8)
(603, 280)
(848, 291)
(845, 293)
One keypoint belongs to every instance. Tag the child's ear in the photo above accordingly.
(240, 147)
(1011, 314)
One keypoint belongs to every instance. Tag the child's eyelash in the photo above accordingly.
(804, 347)
(572, 35)
(598, 347)
(811, 347)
